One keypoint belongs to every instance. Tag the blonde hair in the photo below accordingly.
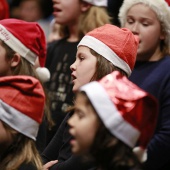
(161, 9)
(22, 150)
(94, 17)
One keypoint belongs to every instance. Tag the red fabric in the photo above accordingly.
(125, 45)
(168, 2)
(4, 9)
(30, 34)
(25, 94)
(136, 106)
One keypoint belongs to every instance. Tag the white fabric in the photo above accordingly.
(18, 121)
(97, 2)
(43, 74)
(140, 153)
(17, 45)
(106, 52)
(109, 114)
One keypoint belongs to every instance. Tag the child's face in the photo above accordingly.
(5, 65)
(143, 21)
(67, 12)
(5, 138)
(30, 10)
(83, 126)
(83, 68)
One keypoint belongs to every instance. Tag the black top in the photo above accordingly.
(60, 55)
(27, 166)
(154, 77)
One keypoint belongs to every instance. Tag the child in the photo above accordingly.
(74, 18)
(21, 45)
(99, 53)
(149, 19)
(22, 102)
(110, 116)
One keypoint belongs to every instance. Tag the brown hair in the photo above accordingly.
(111, 153)
(22, 150)
(104, 67)
(108, 151)
(25, 68)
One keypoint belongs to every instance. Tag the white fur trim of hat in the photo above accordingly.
(97, 2)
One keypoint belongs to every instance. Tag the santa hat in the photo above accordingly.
(27, 39)
(118, 45)
(168, 2)
(4, 9)
(128, 112)
(22, 102)
(160, 7)
(102, 3)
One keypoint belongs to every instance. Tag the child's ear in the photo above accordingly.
(85, 6)
(15, 60)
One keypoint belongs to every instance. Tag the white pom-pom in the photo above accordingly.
(43, 74)
(140, 153)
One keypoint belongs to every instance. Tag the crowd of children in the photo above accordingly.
(93, 97)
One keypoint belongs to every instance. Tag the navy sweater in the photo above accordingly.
(154, 77)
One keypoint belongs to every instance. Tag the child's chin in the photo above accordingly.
(76, 151)
(75, 89)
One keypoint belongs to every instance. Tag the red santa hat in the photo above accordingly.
(168, 2)
(22, 102)
(27, 39)
(128, 112)
(118, 45)
(102, 3)
(4, 9)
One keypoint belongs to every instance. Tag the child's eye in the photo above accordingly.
(145, 24)
(79, 114)
(81, 58)
(130, 21)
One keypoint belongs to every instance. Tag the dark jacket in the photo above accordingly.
(154, 77)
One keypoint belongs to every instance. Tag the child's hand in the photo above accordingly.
(49, 164)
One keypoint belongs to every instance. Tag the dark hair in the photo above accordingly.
(111, 153)
(107, 151)
(104, 67)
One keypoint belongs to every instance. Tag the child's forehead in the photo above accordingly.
(143, 11)
(81, 97)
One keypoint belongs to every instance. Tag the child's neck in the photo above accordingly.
(152, 56)
(73, 37)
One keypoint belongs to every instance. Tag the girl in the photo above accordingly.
(22, 102)
(108, 121)
(22, 46)
(149, 19)
(100, 52)
(74, 18)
